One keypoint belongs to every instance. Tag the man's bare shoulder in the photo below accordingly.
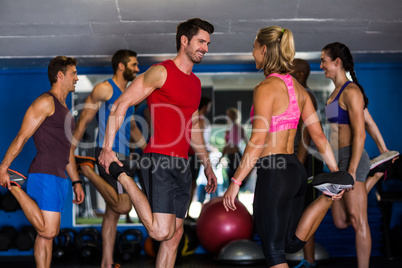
(43, 104)
(155, 76)
(105, 85)
(45, 99)
(102, 91)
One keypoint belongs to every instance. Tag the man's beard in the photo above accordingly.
(128, 75)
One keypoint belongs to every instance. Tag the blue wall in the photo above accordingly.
(19, 87)
(381, 85)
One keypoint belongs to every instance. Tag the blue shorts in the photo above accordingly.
(48, 191)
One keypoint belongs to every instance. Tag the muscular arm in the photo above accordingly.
(374, 132)
(355, 106)
(304, 141)
(304, 135)
(310, 119)
(198, 144)
(136, 135)
(263, 100)
(71, 170)
(263, 103)
(138, 90)
(197, 140)
(101, 93)
(41, 108)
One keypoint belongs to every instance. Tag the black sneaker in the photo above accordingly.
(84, 161)
(115, 170)
(16, 178)
(115, 265)
(333, 183)
(382, 162)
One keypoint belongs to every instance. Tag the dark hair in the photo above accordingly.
(303, 66)
(341, 51)
(204, 102)
(190, 28)
(57, 64)
(122, 56)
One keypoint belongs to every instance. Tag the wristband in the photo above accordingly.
(235, 181)
(75, 182)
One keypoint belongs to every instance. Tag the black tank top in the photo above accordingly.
(53, 141)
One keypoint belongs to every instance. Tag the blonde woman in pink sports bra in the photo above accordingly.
(278, 103)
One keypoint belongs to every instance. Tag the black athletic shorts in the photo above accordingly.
(167, 182)
(107, 177)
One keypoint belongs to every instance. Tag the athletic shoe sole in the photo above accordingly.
(84, 161)
(16, 178)
(382, 162)
(385, 157)
(333, 183)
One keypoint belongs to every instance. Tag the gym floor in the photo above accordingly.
(196, 261)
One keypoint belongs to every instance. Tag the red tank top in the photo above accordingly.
(171, 108)
(53, 141)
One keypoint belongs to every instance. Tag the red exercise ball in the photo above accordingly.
(216, 227)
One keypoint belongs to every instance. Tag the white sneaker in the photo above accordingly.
(333, 183)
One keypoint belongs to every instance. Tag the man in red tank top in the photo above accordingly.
(173, 93)
(51, 124)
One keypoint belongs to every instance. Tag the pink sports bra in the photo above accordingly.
(290, 118)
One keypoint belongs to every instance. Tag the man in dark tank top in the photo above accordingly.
(51, 124)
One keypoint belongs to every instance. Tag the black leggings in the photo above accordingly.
(278, 205)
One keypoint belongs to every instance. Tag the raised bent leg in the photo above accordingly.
(160, 226)
(312, 217)
(120, 203)
(340, 215)
(372, 180)
(44, 226)
(116, 204)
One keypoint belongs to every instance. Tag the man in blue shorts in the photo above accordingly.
(51, 124)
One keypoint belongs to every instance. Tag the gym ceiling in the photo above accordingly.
(33, 31)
